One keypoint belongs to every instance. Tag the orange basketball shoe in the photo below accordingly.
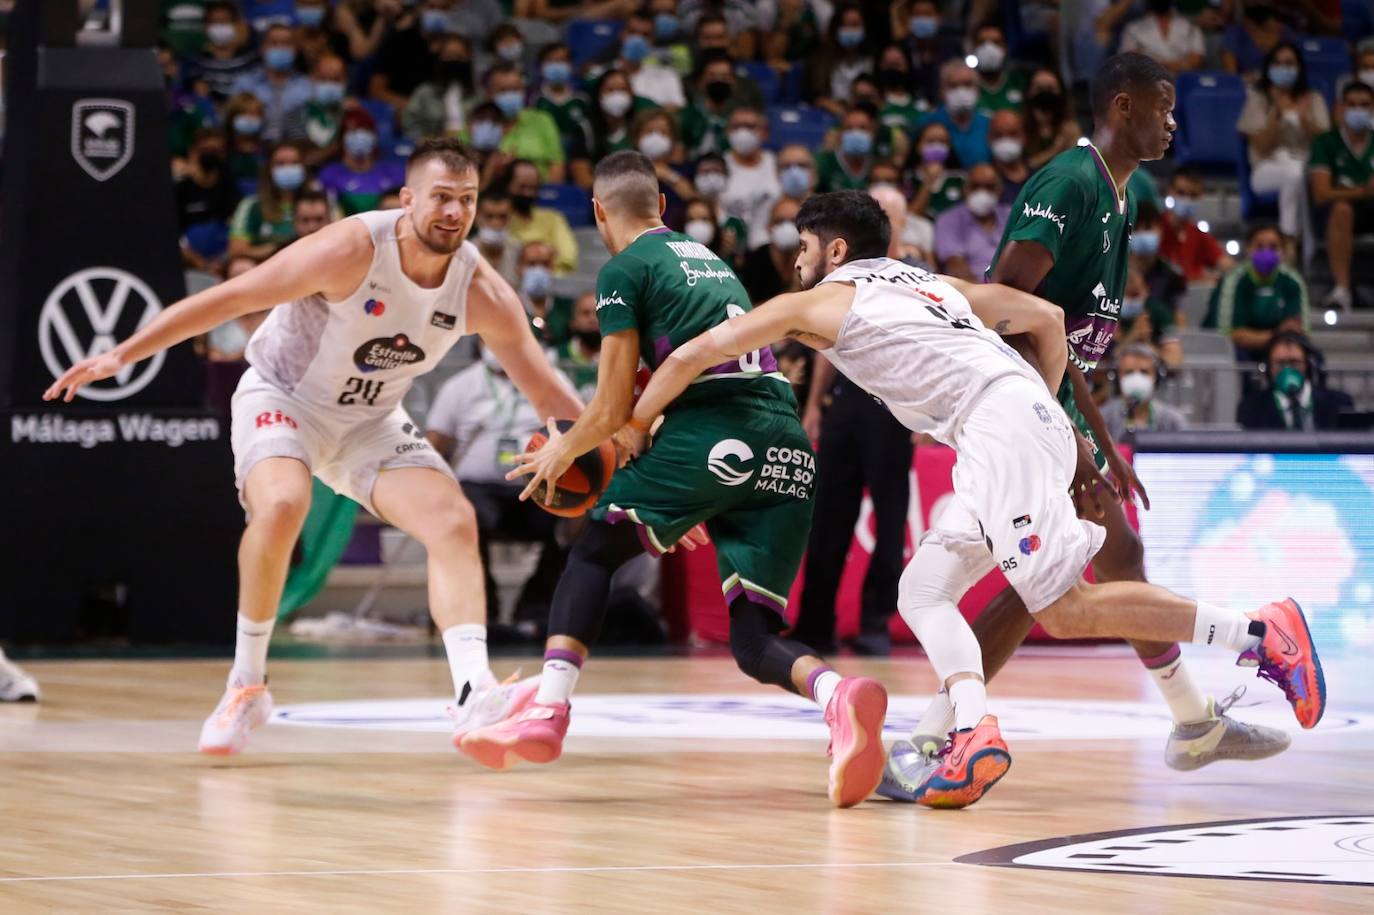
(535, 735)
(971, 762)
(1287, 658)
(855, 714)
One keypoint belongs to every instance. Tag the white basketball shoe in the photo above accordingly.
(492, 702)
(15, 685)
(240, 711)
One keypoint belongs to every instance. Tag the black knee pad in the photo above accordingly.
(758, 649)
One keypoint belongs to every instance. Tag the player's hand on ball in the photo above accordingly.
(630, 443)
(95, 368)
(545, 465)
(1089, 484)
(1126, 480)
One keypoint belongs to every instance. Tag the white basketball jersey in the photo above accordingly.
(912, 341)
(362, 353)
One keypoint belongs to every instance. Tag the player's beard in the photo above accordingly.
(446, 243)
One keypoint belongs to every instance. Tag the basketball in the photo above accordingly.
(582, 483)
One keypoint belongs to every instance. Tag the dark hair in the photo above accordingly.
(1355, 86)
(1259, 227)
(711, 56)
(1188, 173)
(456, 156)
(504, 30)
(1146, 213)
(228, 6)
(852, 215)
(493, 194)
(502, 67)
(549, 49)
(711, 17)
(626, 182)
(1298, 88)
(312, 195)
(1316, 359)
(1127, 73)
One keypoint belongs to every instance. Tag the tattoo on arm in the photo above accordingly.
(1001, 327)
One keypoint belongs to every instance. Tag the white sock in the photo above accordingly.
(1186, 702)
(1223, 628)
(250, 651)
(938, 719)
(466, 646)
(970, 699)
(823, 686)
(561, 670)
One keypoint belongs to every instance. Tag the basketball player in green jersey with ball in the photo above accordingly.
(1067, 240)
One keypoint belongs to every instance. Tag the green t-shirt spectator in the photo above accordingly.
(578, 366)
(948, 193)
(572, 115)
(552, 328)
(183, 26)
(1245, 299)
(904, 117)
(534, 136)
(833, 175)
(1142, 186)
(250, 225)
(1007, 94)
(1348, 168)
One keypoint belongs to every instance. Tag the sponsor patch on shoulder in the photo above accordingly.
(1021, 521)
(443, 321)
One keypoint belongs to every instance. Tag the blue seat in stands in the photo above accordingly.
(587, 38)
(1209, 104)
(1327, 59)
(574, 203)
(798, 124)
(762, 75)
(209, 239)
(248, 186)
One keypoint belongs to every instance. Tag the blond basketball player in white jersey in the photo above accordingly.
(913, 340)
(371, 302)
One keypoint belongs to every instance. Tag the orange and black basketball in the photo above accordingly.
(581, 484)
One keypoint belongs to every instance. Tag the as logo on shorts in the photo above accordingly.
(721, 469)
(1030, 544)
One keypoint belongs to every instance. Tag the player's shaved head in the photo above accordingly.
(1128, 72)
(626, 185)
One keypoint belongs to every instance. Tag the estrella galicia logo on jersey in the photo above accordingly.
(1030, 544)
(1024, 519)
(721, 469)
(387, 353)
(612, 299)
(1045, 212)
(374, 307)
(443, 321)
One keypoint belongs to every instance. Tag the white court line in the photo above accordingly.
(484, 870)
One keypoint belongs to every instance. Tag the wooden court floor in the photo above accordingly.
(690, 789)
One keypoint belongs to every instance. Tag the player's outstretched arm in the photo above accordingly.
(1009, 311)
(333, 252)
(813, 316)
(496, 315)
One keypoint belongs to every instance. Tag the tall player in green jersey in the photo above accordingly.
(730, 454)
(1067, 240)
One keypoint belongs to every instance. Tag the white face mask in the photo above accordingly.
(1138, 386)
(1006, 149)
(655, 145)
(785, 236)
(616, 104)
(711, 184)
(961, 98)
(745, 140)
(981, 202)
(1367, 77)
(491, 237)
(700, 230)
(990, 56)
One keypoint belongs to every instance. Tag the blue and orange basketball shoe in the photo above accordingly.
(1287, 658)
(970, 763)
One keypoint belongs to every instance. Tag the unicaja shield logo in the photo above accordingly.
(721, 469)
(102, 136)
(85, 315)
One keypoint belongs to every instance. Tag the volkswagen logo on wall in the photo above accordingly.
(102, 136)
(86, 315)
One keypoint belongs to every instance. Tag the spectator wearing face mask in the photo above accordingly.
(793, 36)
(359, 177)
(966, 235)
(848, 165)
(1007, 142)
(1341, 171)
(486, 128)
(655, 135)
(506, 44)
(1000, 87)
(718, 93)
(1050, 128)
(1281, 118)
(1259, 298)
(796, 172)
(580, 352)
(263, 221)
(316, 34)
(726, 236)
(967, 126)
(846, 52)
(649, 78)
(1295, 396)
(752, 185)
(570, 109)
(318, 126)
(771, 269)
(672, 37)
(205, 192)
(1150, 310)
(1166, 36)
(1182, 243)
(282, 91)
(439, 104)
(928, 45)
(900, 107)
(1363, 71)
(535, 223)
(227, 53)
(616, 106)
(491, 233)
(409, 50)
(1246, 44)
(548, 313)
(243, 135)
(527, 133)
(935, 173)
(1135, 408)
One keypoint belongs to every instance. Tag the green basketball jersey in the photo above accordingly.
(1071, 207)
(671, 288)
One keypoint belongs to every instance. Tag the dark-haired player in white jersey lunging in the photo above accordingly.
(371, 302)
